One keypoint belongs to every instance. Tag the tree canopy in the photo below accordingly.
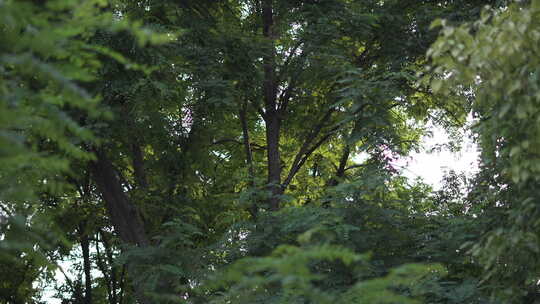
(243, 151)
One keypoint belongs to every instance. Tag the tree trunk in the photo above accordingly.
(85, 246)
(274, 161)
(122, 212)
(272, 116)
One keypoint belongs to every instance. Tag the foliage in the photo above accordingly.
(247, 151)
(493, 63)
(46, 59)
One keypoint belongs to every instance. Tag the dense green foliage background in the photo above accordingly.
(241, 151)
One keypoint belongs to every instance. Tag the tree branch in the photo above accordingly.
(290, 57)
(285, 96)
(305, 151)
(249, 155)
(259, 109)
(304, 158)
(138, 166)
(235, 141)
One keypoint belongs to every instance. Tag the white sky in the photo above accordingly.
(432, 166)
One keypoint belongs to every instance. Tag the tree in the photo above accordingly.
(46, 58)
(242, 151)
(492, 64)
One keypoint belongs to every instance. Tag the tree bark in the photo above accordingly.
(273, 161)
(85, 246)
(122, 212)
(272, 115)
